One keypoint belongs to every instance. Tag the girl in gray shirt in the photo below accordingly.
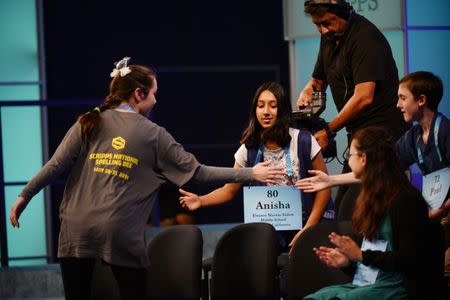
(118, 159)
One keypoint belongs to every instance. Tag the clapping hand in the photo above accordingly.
(331, 257)
(346, 246)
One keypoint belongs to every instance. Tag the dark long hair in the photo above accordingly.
(253, 134)
(120, 89)
(382, 179)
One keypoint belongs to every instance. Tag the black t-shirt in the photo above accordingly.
(362, 55)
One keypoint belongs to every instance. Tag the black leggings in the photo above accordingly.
(77, 279)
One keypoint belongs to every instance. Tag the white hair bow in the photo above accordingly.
(121, 68)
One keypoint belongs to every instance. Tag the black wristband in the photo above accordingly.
(330, 133)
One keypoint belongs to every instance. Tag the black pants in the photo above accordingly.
(77, 279)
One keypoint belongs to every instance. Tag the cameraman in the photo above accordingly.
(355, 59)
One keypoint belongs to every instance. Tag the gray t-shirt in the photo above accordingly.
(109, 193)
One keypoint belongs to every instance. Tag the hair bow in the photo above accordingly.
(121, 68)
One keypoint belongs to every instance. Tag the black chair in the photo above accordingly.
(175, 263)
(347, 205)
(306, 273)
(245, 263)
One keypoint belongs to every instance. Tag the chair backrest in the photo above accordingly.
(245, 263)
(347, 205)
(175, 263)
(306, 273)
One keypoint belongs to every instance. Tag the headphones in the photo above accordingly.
(339, 3)
(341, 8)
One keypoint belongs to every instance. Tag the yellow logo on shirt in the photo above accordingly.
(118, 143)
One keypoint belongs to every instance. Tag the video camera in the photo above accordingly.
(307, 118)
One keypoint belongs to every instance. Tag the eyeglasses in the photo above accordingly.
(347, 154)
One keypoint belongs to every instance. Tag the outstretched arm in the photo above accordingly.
(219, 196)
(263, 173)
(260, 172)
(321, 181)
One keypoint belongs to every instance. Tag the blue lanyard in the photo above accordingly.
(436, 141)
(127, 107)
(289, 170)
